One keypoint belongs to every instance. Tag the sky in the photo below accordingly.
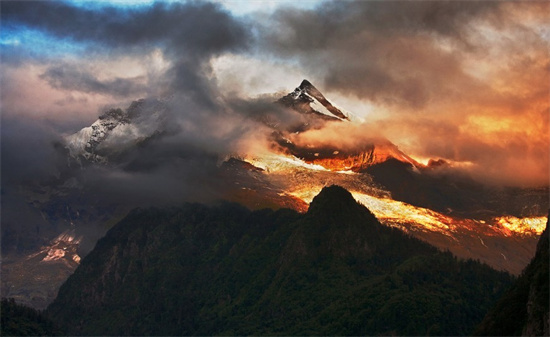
(465, 81)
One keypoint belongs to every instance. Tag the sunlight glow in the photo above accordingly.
(535, 225)
(407, 217)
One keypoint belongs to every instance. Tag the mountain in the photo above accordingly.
(224, 270)
(524, 309)
(117, 130)
(338, 158)
(306, 99)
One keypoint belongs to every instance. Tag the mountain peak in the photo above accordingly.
(305, 84)
(333, 193)
(307, 99)
(333, 199)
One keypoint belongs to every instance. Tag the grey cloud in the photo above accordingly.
(28, 151)
(193, 27)
(265, 111)
(384, 51)
(189, 34)
(70, 77)
(335, 21)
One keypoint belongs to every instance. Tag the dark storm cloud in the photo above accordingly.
(189, 34)
(337, 21)
(159, 173)
(70, 77)
(385, 51)
(193, 28)
(462, 80)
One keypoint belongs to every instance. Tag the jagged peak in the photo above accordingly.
(309, 100)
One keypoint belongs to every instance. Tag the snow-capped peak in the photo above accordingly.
(115, 130)
(309, 100)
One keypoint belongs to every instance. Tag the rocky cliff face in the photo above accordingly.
(524, 309)
(538, 313)
(355, 159)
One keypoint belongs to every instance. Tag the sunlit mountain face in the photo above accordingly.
(34, 278)
(434, 115)
(434, 202)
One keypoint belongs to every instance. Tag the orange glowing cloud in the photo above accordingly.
(467, 82)
(344, 135)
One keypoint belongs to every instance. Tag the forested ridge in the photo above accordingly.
(198, 270)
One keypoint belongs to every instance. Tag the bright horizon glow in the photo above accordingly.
(243, 7)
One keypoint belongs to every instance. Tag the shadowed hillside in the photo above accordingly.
(225, 270)
(524, 309)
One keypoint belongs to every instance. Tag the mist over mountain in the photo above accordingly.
(196, 270)
(148, 154)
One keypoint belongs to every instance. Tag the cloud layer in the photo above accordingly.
(463, 80)
(124, 54)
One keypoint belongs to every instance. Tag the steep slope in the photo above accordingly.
(337, 158)
(200, 270)
(454, 192)
(524, 309)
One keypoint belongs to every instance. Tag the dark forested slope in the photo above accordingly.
(199, 270)
(20, 320)
(524, 309)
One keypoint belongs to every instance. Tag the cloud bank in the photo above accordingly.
(463, 80)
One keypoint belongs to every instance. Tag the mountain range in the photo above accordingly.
(435, 203)
(224, 269)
